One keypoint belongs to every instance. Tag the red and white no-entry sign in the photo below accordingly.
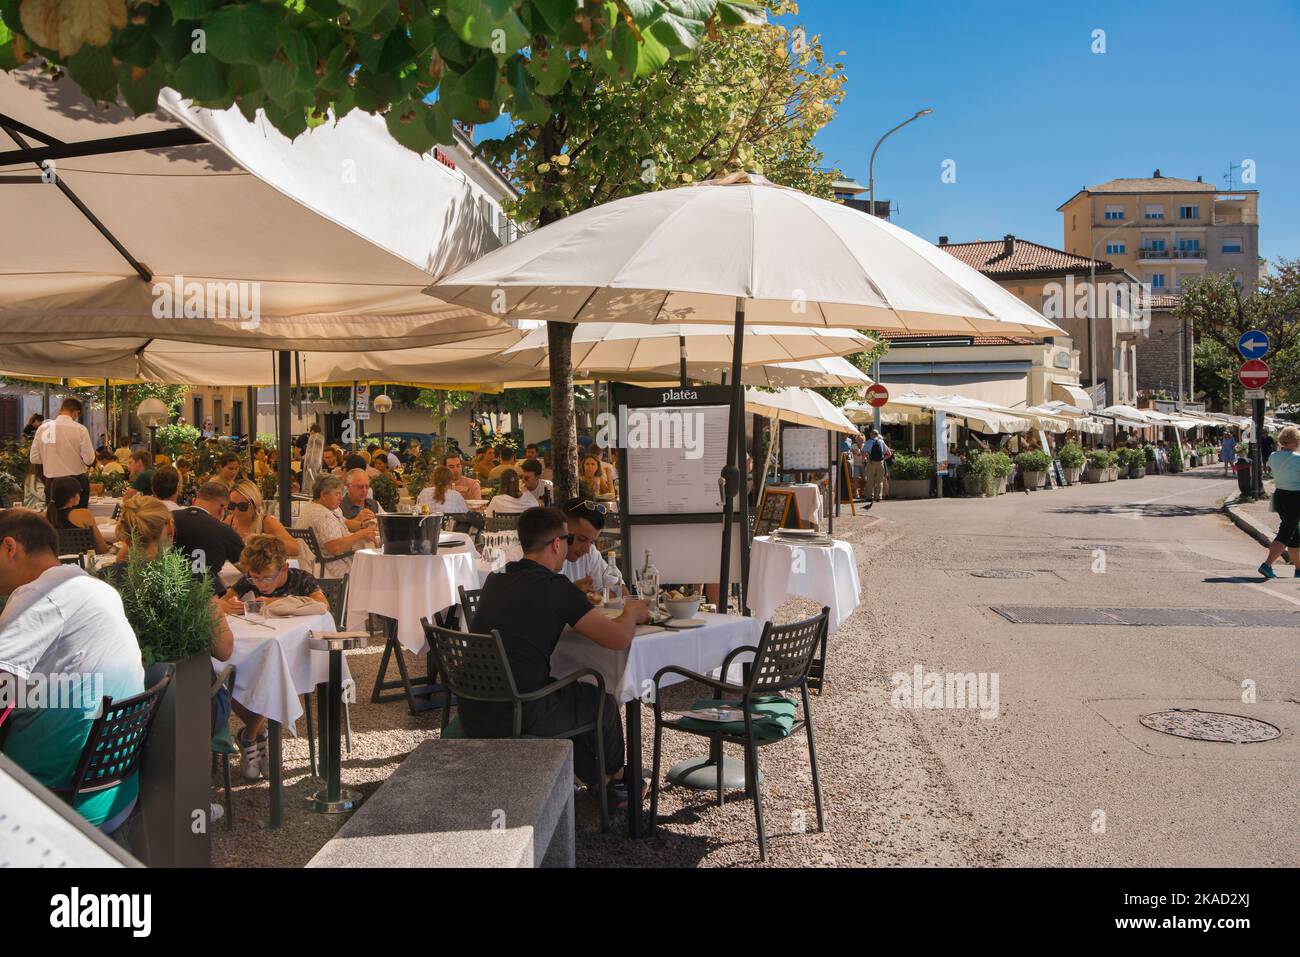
(877, 395)
(1253, 374)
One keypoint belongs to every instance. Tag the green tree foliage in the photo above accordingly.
(1220, 313)
(419, 63)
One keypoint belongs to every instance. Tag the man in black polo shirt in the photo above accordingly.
(204, 537)
(530, 603)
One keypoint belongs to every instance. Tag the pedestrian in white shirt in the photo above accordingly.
(62, 446)
(513, 499)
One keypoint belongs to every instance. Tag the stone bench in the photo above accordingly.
(465, 802)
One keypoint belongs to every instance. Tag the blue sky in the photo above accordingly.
(1030, 114)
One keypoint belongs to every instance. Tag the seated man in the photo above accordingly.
(324, 516)
(60, 623)
(139, 471)
(167, 487)
(469, 488)
(359, 509)
(530, 470)
(584, 565)
(530, 604)
(506, 458)
(206, 540)
(228, 469)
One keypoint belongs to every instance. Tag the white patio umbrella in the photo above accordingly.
(743, 250)
(913, 408)
(810, 374)
(798, 407)
(201, 226)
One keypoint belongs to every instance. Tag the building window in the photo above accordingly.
(1190, 248)
(1232, 245)
(1157, 280)
(1155, 212)
(1114, 212)
(1113, 249)
(1153, 245)
(1189, 212)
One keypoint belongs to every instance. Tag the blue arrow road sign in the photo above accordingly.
(1253, 344)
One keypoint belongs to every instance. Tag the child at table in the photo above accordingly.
(266, 575)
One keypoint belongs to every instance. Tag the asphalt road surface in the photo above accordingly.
(1065, 774)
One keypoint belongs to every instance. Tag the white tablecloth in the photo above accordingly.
(102, 508)
(826, 574)
(274, 666)
(628, 673)
(410, 587)
(108, 530)
(809, 499)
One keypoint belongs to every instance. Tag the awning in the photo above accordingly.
(798, 407)
(912, 409)
(1071, 395)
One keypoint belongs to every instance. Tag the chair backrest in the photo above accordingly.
(469, 604)
(476, 666)
(117, 511)
(308, 535)
(502, 523)
(785, 653)
(466, 523)
(336, 593)
(116, 741)
(75, 541)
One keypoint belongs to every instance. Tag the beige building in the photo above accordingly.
(1094, 301)
(1165, 230)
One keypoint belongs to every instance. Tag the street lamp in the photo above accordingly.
(152, 413)
(383, 405)
(871, 196)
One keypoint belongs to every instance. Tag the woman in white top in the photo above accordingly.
(440, 497)
(513, 499)
(324, 516)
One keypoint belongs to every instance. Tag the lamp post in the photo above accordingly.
(383, 405)
(152, 413)
(871, 196)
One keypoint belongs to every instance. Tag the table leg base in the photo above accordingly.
(348, 801)
(701, 774)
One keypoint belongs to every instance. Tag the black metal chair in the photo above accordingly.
(336, 593)
(781, 663)
(116, 741)
(464, 523)
(477, 669)
(308, 536)
(469, 599)
(117, 512)
(501, 523)
(223, 743)
(76, 541)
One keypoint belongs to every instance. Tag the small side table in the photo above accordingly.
(333, 799)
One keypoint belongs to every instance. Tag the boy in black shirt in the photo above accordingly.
(529, 604)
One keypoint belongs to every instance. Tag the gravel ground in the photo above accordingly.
(871, 814)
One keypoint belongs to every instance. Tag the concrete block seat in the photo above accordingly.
(468, 802)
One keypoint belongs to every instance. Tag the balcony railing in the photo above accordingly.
(1145, 253)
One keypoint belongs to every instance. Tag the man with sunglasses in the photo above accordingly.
(204, 537)
(584, 565)
(530, 604)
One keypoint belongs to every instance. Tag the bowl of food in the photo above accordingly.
(681, 603)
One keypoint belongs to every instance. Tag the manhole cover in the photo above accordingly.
(1002, 573)
(1211, 726)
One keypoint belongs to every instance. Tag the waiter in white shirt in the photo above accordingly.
(62, 447)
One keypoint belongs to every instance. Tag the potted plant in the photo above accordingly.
(1176, 457)
(1137, 463)
(171, 613)
(1033, 467)
(909, 476)
(1072, 461)
(1123, 457)
(987, 473)
(386, 492)
(1098, 461)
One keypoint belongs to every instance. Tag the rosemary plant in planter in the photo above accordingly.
(1072, 461)
(909, 476)
(1098, 463)
(171, 613)
(1176, 457)
(1033, 467)
(1137, 463)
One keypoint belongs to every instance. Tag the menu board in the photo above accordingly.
(675, 456)
(804, 449)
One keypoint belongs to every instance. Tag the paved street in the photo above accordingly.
(948, 787)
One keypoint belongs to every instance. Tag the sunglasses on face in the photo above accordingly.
(241, 506)
(567, 539)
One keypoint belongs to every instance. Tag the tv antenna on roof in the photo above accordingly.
(1230, 177)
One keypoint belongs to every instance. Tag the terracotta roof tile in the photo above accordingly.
(1164, 184)
(989, 256)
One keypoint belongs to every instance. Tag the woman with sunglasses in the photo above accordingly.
(244, 515)
(266, 575)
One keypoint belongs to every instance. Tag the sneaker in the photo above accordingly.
(1266, 570)
(263, 755)
(250, 758)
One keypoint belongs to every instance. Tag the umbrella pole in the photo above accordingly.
(250, 401)
(681, 359)
(285, 471)
(731, 472)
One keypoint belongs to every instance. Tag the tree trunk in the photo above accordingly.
(564, 418)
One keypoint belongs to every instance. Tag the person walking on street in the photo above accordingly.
(1228, 453)
(62, 446)
(876, 452)
(1285, 463)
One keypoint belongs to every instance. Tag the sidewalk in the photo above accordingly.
(1254, 518)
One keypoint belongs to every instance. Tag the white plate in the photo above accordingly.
(685, 623)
